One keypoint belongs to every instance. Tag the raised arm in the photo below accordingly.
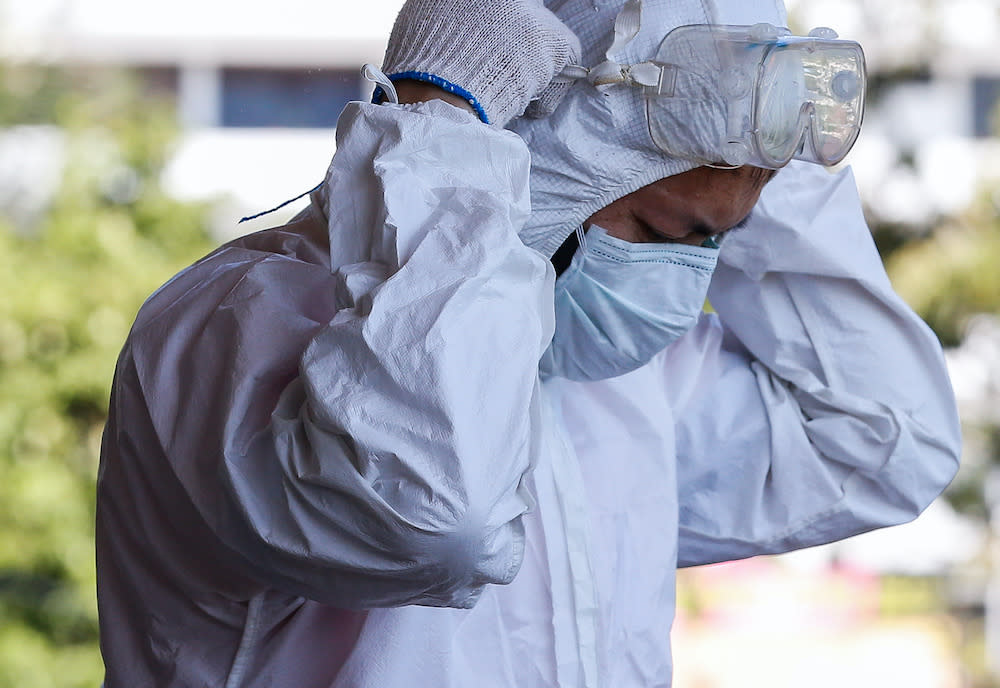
(816, 405)
(360, 438)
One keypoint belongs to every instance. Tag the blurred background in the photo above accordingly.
(134, 135)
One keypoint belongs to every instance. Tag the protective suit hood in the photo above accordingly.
(596, 147)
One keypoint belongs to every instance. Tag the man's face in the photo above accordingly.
(686, 208)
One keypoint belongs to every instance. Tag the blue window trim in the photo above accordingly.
(443, 84)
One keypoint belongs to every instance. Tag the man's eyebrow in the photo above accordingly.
(704, 229)
(742, 223)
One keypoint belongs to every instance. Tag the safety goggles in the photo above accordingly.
(754, 95)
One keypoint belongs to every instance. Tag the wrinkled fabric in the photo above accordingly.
(330, 461)
(596, 147)
(620, 303)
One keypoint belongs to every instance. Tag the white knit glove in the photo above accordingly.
(500, 55)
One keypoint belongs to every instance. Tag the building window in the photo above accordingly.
(986, 106)
(286, 97)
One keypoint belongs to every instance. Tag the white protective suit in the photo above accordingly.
(315, 470)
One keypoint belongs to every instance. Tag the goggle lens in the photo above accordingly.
(738, 95)
(837, 91)
(780, 119)
(803, 88)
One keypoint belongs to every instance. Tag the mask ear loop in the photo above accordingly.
(581, 237)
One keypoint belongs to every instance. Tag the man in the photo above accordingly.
(383, 446)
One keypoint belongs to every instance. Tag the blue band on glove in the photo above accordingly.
(443, 84)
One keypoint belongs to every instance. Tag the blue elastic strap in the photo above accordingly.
(440, 83)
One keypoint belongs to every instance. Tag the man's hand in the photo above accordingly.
(497, 56)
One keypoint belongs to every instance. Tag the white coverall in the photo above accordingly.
(301, 456)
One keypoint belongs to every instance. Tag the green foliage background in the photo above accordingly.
(954, 273)
(71, 286)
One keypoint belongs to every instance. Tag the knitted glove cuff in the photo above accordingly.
(501, 54)
(443, 84)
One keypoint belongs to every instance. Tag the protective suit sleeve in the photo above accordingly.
(385, 467)
(816, 405)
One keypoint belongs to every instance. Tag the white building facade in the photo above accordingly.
(258, 86)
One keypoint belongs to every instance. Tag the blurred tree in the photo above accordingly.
(71, 286)
(952, 275)
(949, 277)
(32, 94)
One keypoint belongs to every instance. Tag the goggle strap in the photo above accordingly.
(627, 26)
(611, 72)
(659, 79)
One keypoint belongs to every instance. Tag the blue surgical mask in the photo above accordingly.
(619, 304)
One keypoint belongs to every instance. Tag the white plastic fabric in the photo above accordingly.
(596, 147)
(322, 428)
